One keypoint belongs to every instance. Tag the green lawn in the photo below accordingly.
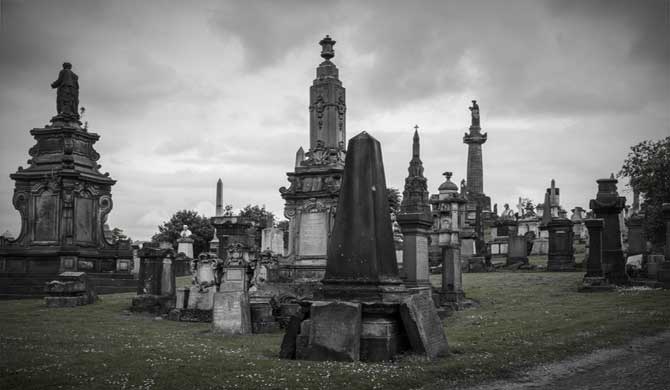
(524, 318)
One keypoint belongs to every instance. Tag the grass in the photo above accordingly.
(525, 318)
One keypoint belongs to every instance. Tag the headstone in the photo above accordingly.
(608, 205)
(517, 250)
(70, 289)
(561, 246)
(335, 331)
(424, 327)
(594, 258)
(182, 297)
(231, 313)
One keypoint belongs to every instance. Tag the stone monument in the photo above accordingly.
(636, 239)
(185, 242)
(357, 314)
(560, 256)
(157, 281)
(593, 279)
(219, 211)
(63, 200)
(448, 210)
(415, 221)
(478, 216)
(607, 206)
(315, 183)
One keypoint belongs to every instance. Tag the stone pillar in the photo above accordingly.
(594, 259)
(452, 277)
(475, 139)
(607, 206)
(636, 240)
(415, 254)
(561, 250)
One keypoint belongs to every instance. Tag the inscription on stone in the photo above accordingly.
(313, 234)
(83, 216)
(424, 327)
(45, 221)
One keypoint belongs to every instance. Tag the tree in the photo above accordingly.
(200, 227)
(647, 168)
(117, 234)
(394, 198)
(260, 215)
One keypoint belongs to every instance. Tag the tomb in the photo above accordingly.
(607, 206)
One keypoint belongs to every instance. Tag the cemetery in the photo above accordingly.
(434, 288)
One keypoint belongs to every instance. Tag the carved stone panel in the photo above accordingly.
(46, 217)
(313, 234)
(83, 217)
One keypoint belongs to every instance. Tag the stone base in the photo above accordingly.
(380, 336)
(427, 290)
(154, 304)
(70, 301)
(595, 284)
(362, 292)
(561, 263)
(449, 299)
(262, 318)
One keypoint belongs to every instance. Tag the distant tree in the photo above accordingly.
(200, 227)
(283, 225)
(117, 233)
(647, 168)
(394, 198)
(259, 214)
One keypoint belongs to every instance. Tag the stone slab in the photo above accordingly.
(66, 301)
(423, 326)
(231, 314)
(335, 331)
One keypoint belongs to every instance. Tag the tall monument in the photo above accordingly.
(478, 208)
(63, 200)
(311, 198)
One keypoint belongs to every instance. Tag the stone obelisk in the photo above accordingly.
(214, 244)
(361, 257)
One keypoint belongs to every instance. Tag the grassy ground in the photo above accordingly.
(525, 318)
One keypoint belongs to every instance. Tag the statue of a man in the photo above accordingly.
(474, 111)
(67, 92)
(185, 233)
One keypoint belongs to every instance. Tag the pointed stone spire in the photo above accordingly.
(299, 157)
(219, 198)
(327, 105)
(361, 257)
(415, 196)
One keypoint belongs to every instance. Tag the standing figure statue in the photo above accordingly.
(474, 111)
(67, 93)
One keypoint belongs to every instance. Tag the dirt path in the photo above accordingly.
(642, 364)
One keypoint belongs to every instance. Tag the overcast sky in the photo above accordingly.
(183, 93)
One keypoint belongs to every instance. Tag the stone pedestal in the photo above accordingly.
(185, 246)
(636, 240)
(561, 250)
(415, 248)
(594, 258)
(69, 290)
(607, 206)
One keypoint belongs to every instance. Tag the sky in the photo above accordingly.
(183, 93)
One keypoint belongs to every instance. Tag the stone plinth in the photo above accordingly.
(561, 250)
(185, 246)
(415, 248)
(607, 206)
(156, 276)
(69, 290)
(636, 239)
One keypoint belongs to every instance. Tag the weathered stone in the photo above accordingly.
(335, 331)
(561, 246)
(361, 257)
(608, 205)
(231, 313)
(182, 297)
(202, 300)
(594, 259)
(517, 251)
(424, 327)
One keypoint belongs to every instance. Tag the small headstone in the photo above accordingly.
(424, 327)
(335, 331)
(231, 313)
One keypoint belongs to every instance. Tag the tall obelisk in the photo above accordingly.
(214, 244)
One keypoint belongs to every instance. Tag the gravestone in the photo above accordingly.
(607, 206)
(201, 299)
(517, 251)
(231, 313)
(334, 331)
(70, 289)
(424, 327)
(561, 246)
